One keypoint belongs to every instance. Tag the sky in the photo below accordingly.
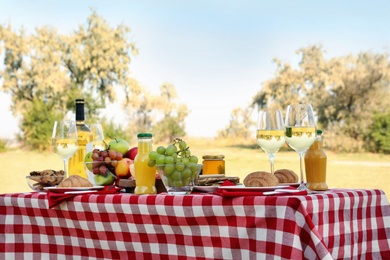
(216, 53)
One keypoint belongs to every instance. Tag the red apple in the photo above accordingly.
(122, 169)
(132, 153)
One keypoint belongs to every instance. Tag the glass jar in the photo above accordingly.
(213, 164)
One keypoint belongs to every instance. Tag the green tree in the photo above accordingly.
(240, 126)
(161, 114)
(378, 137)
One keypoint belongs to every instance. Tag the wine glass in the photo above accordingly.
(64, 140)
(300, 132)
(270, 132)
(98, 136)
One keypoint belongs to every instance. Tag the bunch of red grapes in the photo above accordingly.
(105, 159)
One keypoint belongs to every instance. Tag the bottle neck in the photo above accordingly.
(144, 145)
(80, 117)
(319, 141)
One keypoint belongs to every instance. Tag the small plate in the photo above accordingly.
(206, 188)
(211, 176)
(65, 189)
(292, 184)
(243, 188)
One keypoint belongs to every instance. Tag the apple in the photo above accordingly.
(119, 145)
(122, 169)
(131, 153)
(104, 180)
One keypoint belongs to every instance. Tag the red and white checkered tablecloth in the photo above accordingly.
(339, 224)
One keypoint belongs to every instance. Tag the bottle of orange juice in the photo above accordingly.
(145, 176)
(315, 164)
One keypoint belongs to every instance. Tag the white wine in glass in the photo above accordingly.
(64, 141)
(270, 132)
(300, 132)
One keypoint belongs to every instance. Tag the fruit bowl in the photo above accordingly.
(100, 175)
(179, 179)
(36, 183)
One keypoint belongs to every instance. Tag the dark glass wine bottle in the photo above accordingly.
(76, 162)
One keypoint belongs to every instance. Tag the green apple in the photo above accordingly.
(104, 180)
(88, 161)
(119, 145)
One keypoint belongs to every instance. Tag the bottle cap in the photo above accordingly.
(144, 135)
(319, 132)
(213, 157)
(79, 109)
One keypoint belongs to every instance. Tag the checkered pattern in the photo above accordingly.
(349, 224)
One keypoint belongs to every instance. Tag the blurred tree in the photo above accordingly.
(172, 124)
(240, 125)
(160, 113)
(35, 79)
(378, 138)
(44, 72)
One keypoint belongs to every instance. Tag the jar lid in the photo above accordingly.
(319, 132)
(144, 135)
(213, 157)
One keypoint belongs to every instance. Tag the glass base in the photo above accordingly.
(303, 186)
(179, 190)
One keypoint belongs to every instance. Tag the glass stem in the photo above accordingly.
(301, 167)
(66, 175)
(271, 161)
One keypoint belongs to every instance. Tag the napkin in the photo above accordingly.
(55, 198)
(239, 192)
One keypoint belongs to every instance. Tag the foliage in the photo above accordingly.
(3, 145)
(240, 125)
(144, 109)
(113, 130)
(97, 57)
(378, 137)
(37, 125)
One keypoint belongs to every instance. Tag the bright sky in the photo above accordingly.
(215, 52)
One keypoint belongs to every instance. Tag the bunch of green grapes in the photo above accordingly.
(177, 163)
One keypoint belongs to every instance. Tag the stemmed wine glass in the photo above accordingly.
(300, 132)
(98, 136)
(270, 132)
(64, 140)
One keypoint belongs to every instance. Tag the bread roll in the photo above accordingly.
(260, 179)
(75, 181)
(286, 176)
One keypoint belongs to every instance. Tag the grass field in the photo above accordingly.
(344, 170)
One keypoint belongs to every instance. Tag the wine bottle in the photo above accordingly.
(76, 162)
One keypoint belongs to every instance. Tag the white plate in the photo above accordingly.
(206, 188)
(243, 188)
(65, 189)
(292, 184)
